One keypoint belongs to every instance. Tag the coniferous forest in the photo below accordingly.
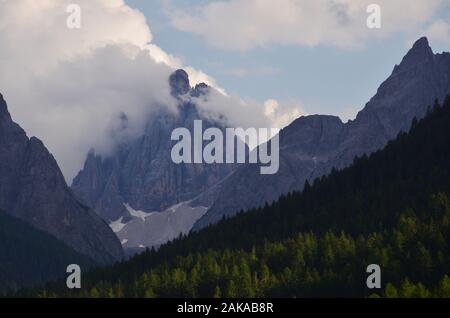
(391, 208)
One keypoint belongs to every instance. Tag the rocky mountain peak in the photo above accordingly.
(142, 174)
(419, 53)
(199, 89)
(179, 83)
(318, 120)
(322, 124)
(3, 107)
(33, 189)
(311, 146)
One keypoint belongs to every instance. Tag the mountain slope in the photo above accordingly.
(31, 257)
(391, 209)
(311, 146)
(32, 188)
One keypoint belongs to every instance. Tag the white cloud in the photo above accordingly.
(282, 115)
(36, 30)
(439, 31)
(247, 24)
(248, 113)
(71, 87)
(349, 113)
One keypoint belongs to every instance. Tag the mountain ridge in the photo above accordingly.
(33, 189)
(418, 80)
(141, 175)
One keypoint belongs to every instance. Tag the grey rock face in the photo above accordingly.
(311, 146)
(33, 189)
(141, 173)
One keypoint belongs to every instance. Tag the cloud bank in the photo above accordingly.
(247, 113)
(92, 87)
(247, 24)
(71, 87)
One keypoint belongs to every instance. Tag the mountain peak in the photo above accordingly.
(179, 83)
(422, 42)
(199, 89)
(3, 107)
(420, 52)
(421, 49)
(32, 188)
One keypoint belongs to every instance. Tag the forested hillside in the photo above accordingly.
(30, 257)
(391, 208)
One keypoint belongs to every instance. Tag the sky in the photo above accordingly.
(323, 78)
(270, 61)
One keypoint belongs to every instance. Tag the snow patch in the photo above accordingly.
(147, 230)
(117, 225)
(137, 213)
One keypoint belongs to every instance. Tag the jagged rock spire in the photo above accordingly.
(3, 107)
(420, 52)
(179, 83)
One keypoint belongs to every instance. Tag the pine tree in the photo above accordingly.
(231, 291)
(94, 293)
(149, 293)
(217, 292)
(443, 289)
(390, 291)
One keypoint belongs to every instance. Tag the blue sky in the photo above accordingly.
(324, 79)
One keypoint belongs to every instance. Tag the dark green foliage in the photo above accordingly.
(30, 257)
(391, 208)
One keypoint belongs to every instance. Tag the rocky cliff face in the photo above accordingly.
(141, 173)
(33, 189)
(311, 146)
